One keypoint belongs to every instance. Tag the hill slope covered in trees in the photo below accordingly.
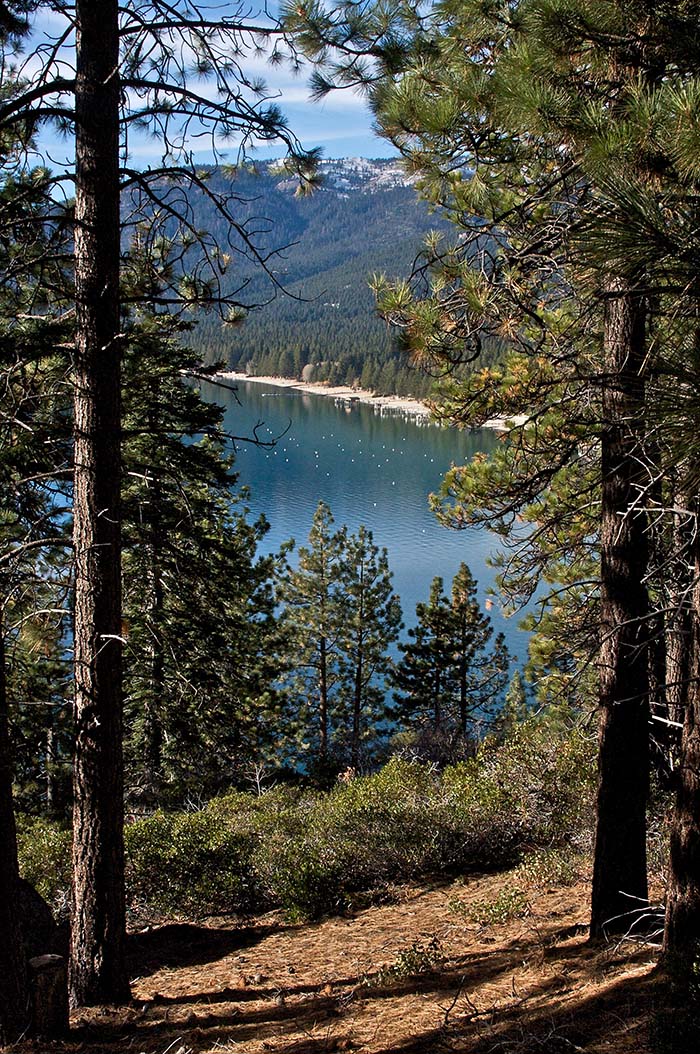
(364, 219)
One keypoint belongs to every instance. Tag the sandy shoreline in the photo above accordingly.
(393, 403)
(413, 407)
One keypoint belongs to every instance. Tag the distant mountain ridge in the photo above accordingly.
(353, 175)
(366, 218)
(364, 175)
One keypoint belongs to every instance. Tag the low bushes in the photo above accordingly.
(183, 862)
(44, 859)
(310, 852)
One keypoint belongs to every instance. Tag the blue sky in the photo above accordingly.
(341, 125)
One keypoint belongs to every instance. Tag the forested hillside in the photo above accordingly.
(237, 734)
(365, 218)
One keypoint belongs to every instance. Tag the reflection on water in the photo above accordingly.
(370, 468)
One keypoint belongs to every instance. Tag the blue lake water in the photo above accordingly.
(370, 468)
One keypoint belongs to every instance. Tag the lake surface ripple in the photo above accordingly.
(371, 468)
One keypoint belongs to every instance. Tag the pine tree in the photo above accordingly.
(448, 676)
(33, 468)
(127, 69)
(421, 674)
(198, 605)
(515, 708)
(613, 89)
(370, 615)
(34, 461)
(479, 674)
(517, 116)
(339, 619)
(311, 621)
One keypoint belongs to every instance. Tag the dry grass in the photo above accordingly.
(531, 985)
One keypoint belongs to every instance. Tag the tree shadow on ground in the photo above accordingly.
(186, 944)
(537, 988)
(478, 967)
(544, 1019)
(619, 1019)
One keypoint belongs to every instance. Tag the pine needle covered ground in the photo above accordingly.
(442, 967)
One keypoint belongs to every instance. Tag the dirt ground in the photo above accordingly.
(410, 975)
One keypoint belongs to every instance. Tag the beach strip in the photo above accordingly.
(394, 403)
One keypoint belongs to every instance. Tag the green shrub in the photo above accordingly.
(358, 835)
(506, 905)
(44, 850)
(533, 789)
(421, 957)
(304, 875)
(551, 867)
(190, 862)
(388, 821)
(311, 851)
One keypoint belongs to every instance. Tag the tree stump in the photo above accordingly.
(48, 980)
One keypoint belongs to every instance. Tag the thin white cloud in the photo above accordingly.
(341, 123)
(339, 101)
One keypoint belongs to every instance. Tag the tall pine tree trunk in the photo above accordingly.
(357, 704)
(323, 701)
(14, 994)
(97, 969)
(619, 874)
(153, 730)
(679, 618)
(682, 932)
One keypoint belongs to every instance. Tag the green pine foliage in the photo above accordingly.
(35, 466)
(199, 621)
(201, 651)
(450, 679)
(339, 618)
(426, 659)
(538, 491)
(310, 623)
(370, 624)
(509, 315)
(515, 705)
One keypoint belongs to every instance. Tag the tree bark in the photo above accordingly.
(357, 703)
(681, 947)
(97, 967)
(679, 627)
(14, 990)
(619, 874)
(323, 701)
(153, 730)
